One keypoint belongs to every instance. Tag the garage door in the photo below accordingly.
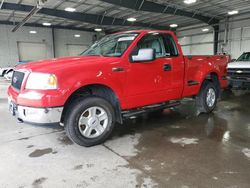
(197, 45)
(75, 49)
(29, 51)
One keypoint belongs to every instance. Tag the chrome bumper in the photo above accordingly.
(239, 79)
(35, 115)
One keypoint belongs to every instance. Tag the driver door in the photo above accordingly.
(146, 80)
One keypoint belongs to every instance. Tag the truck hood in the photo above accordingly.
(239, 65)
(64, 63)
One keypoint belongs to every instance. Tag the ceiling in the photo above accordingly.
(214, 9)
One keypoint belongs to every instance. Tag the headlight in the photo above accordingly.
(41, 81)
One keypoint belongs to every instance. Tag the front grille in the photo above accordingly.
(17, 80)
(239, 73)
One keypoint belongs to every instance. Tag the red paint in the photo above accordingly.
(138, 85)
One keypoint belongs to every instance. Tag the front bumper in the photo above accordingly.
(35, 115)
(239, 82)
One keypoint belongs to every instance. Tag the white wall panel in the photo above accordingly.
(186, 50)
(235, 49)
(202, 49)
(9, 42)
(63, 38)
(246, 32)
(236, 33)
(191, 31)
(238, 38)
(31, 51)
(196, 42)
(75, 49)
(245, 46)
(238, 41)
(184, 40)
(201, 44)
(202, 38)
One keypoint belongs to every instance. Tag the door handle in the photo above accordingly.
(117, 69)
(167, 67)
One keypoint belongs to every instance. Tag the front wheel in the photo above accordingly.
(206, 100)
(89, 121)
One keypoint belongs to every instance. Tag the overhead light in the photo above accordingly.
(205, 29)
(189, 1)
(173, 25)
(233, 12)
(33, 32)
(77, 35)
(47, 24)
(70, 9)
(131, 19)
(98, 29)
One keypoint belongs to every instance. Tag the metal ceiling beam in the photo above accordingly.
(216, 38)
(27, 18)
(34, 10)
(148, 6)
(1, 4)
(82, 17)
(54, 26)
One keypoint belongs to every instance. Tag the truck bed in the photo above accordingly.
(196, 65)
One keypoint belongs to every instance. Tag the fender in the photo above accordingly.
(203, 66)
(96, 78)
(206, 69)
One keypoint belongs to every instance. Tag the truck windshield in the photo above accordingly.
(244, 57)
(112, 45)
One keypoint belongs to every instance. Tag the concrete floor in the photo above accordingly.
(175, 149)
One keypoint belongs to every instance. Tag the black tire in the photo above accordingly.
(74, 113)
(201, 99)
(230, 85)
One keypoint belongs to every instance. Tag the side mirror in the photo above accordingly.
(233, 60)
(144, 55)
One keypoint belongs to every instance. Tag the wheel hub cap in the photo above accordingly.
(93, 122)
(211, 97)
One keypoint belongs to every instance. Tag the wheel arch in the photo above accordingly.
(98, 90)
(213, 77)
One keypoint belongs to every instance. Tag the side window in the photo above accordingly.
(170, 46)
(152, 41)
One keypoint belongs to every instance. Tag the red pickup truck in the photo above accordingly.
(123, 75)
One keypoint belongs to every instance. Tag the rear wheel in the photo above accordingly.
(90, 121)
(206, 100)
